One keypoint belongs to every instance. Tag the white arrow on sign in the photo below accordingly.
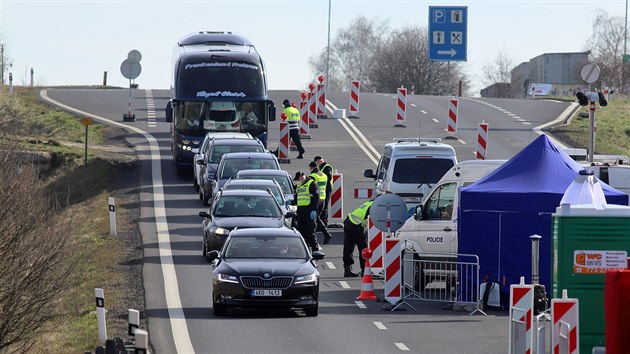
(451, 51)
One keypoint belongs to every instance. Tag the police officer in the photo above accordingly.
(307, 197)
(328, 171)
(354, 234)
(293, 118)
(322, 181)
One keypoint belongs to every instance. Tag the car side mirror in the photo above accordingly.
(201, 162)
(204, 214)
(417, 213)
(290, 214)
(318, 255)
(369, 173)
(212, 255)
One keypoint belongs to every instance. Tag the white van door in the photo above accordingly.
(438, 232)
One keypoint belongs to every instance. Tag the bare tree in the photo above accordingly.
(351, 54)
(403, 60)
(36, 255)
(498, 73)
(606, 45)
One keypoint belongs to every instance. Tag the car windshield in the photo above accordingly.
(232, 166)
(265, 247)
(418, 170)
(242, 206)
(275, 190)
(219, 150)
(283, 181)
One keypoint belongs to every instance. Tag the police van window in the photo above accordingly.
(418, 170)
(384, 165)
(440, 204)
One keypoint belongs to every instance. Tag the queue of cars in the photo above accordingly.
(259, 259)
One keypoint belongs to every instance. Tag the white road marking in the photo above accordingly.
(179, 328)
(401, 346)
(527, 123)
(380, 325)
(435, 120)
(330, 265)
(517, 117)
(425, 112)
(360, 304)
(344, 284)
(412, 105)
(461, 141)
(357, 136)
(150, 109)
(512, 114)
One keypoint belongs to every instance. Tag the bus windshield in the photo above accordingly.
(199, 117)
(216, 79)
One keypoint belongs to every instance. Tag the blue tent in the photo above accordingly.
(499, 213)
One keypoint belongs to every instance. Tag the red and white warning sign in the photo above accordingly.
(336, 199)
(564, 325)
(451, 126)
(393, 273)
(375, 243)
(354, 97)
(521, 339)
(482, 140)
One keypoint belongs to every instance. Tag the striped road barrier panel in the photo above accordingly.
(401, 108)
(521, 339)
(355, 91)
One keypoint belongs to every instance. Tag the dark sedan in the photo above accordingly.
(239, 209)
(265, 268)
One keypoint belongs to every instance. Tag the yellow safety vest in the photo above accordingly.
(293, 117)
(303, 195)
(357, 217)
(321, 183)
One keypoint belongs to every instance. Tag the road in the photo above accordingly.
(177, 278)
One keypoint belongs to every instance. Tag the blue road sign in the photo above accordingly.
(447, 33)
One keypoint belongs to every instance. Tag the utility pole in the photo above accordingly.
(328, 46)
(2, 64)
(625, 40)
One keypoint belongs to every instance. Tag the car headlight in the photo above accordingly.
(308, 278)
(220, 231)
(226, 278)
(185, 147)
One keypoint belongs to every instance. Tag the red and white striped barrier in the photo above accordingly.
(283, 144)
(355, 91)
(321, 101)
(335, 213)
(401, 108)
(564, 325)
(363, 193)
(312, 107)
(521, 338)
(482, 140)
(304, 128)
(393, 271)
(375, 243)
(451, 126)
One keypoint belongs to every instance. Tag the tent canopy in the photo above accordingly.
(499, 213)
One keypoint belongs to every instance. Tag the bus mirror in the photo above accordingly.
(272, 110)
(169, 111)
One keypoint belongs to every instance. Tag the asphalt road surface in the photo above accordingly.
(177, 278)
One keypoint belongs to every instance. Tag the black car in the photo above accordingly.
(239, 208)
(265, 268)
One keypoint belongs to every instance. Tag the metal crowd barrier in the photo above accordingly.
(441, 277)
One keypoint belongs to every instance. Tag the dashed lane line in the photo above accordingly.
(360, 304)
(435, 120)
(461, 141)
(412, 105)
(380, 325)
(330, 265)
(344, 284)
(424, 112)
(402, 346)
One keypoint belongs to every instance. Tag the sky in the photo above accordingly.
(72, 42)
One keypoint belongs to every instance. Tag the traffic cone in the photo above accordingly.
(367, 287)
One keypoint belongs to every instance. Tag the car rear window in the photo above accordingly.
(419, 170)
(233, 165)
(243, 206)
(276, 192)
(283, 181)
(220, 150)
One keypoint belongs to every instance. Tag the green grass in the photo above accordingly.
(612, 133)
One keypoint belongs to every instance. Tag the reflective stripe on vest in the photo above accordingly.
(357, 217)
(303, 195)
(293, 117)
(321, 183)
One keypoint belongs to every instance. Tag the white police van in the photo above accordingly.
(410, 167)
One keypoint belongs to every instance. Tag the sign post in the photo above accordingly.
(87, 122)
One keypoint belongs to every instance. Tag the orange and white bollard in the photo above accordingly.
(482, 140)
(401, 108)
(375, 243)
(283, 144)
(304, 128)
(453, 111)
(355, 90)
(312, 107)
(393, 271)
(367, 286)
(321, 98)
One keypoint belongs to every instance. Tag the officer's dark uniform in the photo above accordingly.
(322, 181)
(328, 171)
(293, 118)
(354, 234)
(307, 197)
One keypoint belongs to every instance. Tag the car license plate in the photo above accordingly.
(412, 199)
(256, 292)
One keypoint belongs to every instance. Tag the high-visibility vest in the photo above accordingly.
(321, 183)
(293, 117)
(357, 217)
(303, 195)
(332, 171)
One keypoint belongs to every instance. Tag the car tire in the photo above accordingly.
(219, 310)
(312, 311)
